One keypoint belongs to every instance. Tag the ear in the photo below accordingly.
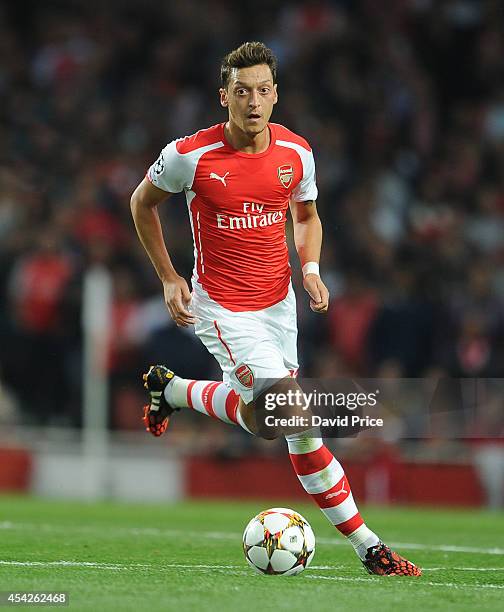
(223, 97)
(275, 90)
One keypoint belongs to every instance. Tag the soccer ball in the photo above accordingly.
(279, 541)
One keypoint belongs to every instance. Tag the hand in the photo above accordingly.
(317, 291)
(177, 299)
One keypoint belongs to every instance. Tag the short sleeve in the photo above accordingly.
(306, 189)
(170, 172)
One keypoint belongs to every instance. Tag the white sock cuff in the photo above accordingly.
(175, 392)
(304, 441)
(362, 539)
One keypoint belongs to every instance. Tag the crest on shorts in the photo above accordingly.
(245, 376)
(285, 175)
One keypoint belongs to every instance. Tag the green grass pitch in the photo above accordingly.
(188, 556)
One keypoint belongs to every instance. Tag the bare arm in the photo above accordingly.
(308, 241)
(144, 203)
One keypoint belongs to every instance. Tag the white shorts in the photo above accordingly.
(251, 347)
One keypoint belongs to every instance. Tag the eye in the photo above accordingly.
(265, 90)
(241, 91)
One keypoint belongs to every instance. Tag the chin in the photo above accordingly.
(253, 130)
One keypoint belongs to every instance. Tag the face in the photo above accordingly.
(249, 98)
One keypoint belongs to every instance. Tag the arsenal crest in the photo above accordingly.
(285, 175)
(245, 376)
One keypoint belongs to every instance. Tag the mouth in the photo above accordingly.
(253, 116)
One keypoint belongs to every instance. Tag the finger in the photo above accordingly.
(324, 293)
(323, 305)
(170, 310)
(177, 317)
(181, 320)
(181, 311)
(184, 319)
(179, 307)
(317, 307)
(186, 294)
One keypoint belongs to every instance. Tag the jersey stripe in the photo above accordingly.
(202, 263)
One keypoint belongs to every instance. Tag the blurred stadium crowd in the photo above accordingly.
(403, 106)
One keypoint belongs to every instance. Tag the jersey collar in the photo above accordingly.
(250, 155)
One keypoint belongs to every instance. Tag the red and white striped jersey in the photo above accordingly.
(237, 207)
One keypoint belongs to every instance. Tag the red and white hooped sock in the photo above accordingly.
(323, 477)
(209, 397)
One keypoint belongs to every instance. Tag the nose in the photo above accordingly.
(254, 99)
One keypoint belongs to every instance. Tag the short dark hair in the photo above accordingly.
(248, 54)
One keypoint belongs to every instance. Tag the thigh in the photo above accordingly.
(282, 318)
(248, 350)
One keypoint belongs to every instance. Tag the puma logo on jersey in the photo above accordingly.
(222, 179)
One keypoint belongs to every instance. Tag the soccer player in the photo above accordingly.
(239, 178)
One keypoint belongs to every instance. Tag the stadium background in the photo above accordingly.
(404, 108)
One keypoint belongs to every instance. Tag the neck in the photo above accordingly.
(247, 143)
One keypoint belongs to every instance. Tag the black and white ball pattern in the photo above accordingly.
(279, 541)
